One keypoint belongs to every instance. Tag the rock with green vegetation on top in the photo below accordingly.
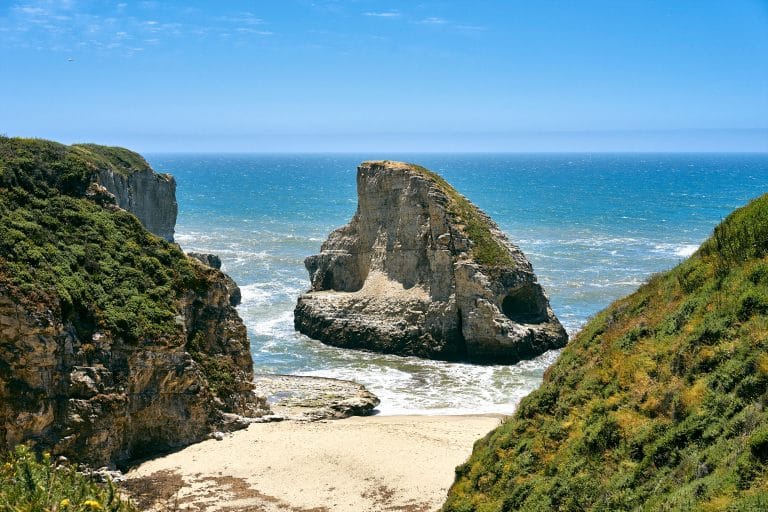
(421, 271)
(113, 343)
(659, 403)
(137, 188)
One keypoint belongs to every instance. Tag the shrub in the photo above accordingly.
(37, 484)
(753, 302)
(758, 444)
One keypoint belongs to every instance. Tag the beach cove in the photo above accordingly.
(377, 463)
(397, 460)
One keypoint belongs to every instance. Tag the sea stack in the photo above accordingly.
(420, 270)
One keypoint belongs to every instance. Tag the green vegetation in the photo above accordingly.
(96, 266)
(117, 159)
(31, 484)
(486, 249)
(659, 403)
(223, 376)
(100, 268)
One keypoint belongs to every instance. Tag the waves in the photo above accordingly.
(594, 228)
(581, 275)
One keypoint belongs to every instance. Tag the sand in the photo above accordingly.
(377, 463)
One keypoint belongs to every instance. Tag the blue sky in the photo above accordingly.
(360, 75)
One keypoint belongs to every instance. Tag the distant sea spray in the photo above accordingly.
(594, 226)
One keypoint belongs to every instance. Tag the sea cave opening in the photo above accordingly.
(525, 305)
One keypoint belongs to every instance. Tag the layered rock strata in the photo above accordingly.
(148, 195)
(113, 344)
(102, 400)
(421, 271)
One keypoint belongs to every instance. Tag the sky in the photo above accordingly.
(400, 76)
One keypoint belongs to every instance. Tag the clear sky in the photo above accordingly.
(365, 75)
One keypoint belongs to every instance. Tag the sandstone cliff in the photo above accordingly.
(137, 188)
(419, 270)
(113, 343)
(149, 196)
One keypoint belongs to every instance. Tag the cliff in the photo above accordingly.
(659, 403)
(113, 343)
(419, 270)
(149, 196)
(137, 188)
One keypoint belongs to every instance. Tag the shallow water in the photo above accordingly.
(594, 227)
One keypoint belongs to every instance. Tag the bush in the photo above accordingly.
(758, 444)
(29, 483)
(753, 302)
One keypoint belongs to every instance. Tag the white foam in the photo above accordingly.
(279, 324)
(408, 385)
(254, 294)
(678, 250)
(686, 250)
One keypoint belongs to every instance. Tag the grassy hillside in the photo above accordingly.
(659, 403)
(93, 265)
(100, 267)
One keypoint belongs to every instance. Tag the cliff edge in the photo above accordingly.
(113, 343)
(420, 270)
(137, 188)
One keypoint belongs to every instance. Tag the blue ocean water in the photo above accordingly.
(594, 227)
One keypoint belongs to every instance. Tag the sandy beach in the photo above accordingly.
(377, 463)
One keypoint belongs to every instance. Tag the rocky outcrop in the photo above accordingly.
(421, 271)
(113, 344)
(207, 259)
(315, 398)
(148, 195)
(102, 400)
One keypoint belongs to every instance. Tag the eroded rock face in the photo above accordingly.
(421, 271)
(101, 400)
(148, 195)
(76, 377)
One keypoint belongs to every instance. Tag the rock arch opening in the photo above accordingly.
(524, 305)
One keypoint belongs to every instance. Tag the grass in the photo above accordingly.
(659, 403)
(29, 483)
(118, 159)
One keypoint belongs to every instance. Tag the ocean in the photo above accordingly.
(595, 227)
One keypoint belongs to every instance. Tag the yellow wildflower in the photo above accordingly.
(92, 504)
(64, 503)
(7, 466)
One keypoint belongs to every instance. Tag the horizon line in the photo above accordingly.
(434, 152)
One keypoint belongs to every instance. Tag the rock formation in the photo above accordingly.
(149, 196)
(315, 398)
(137, 188)
(419, 270)
(113, 343)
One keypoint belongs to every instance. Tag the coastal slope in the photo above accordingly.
(659, 403)
(113, 343)
(420, 270)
